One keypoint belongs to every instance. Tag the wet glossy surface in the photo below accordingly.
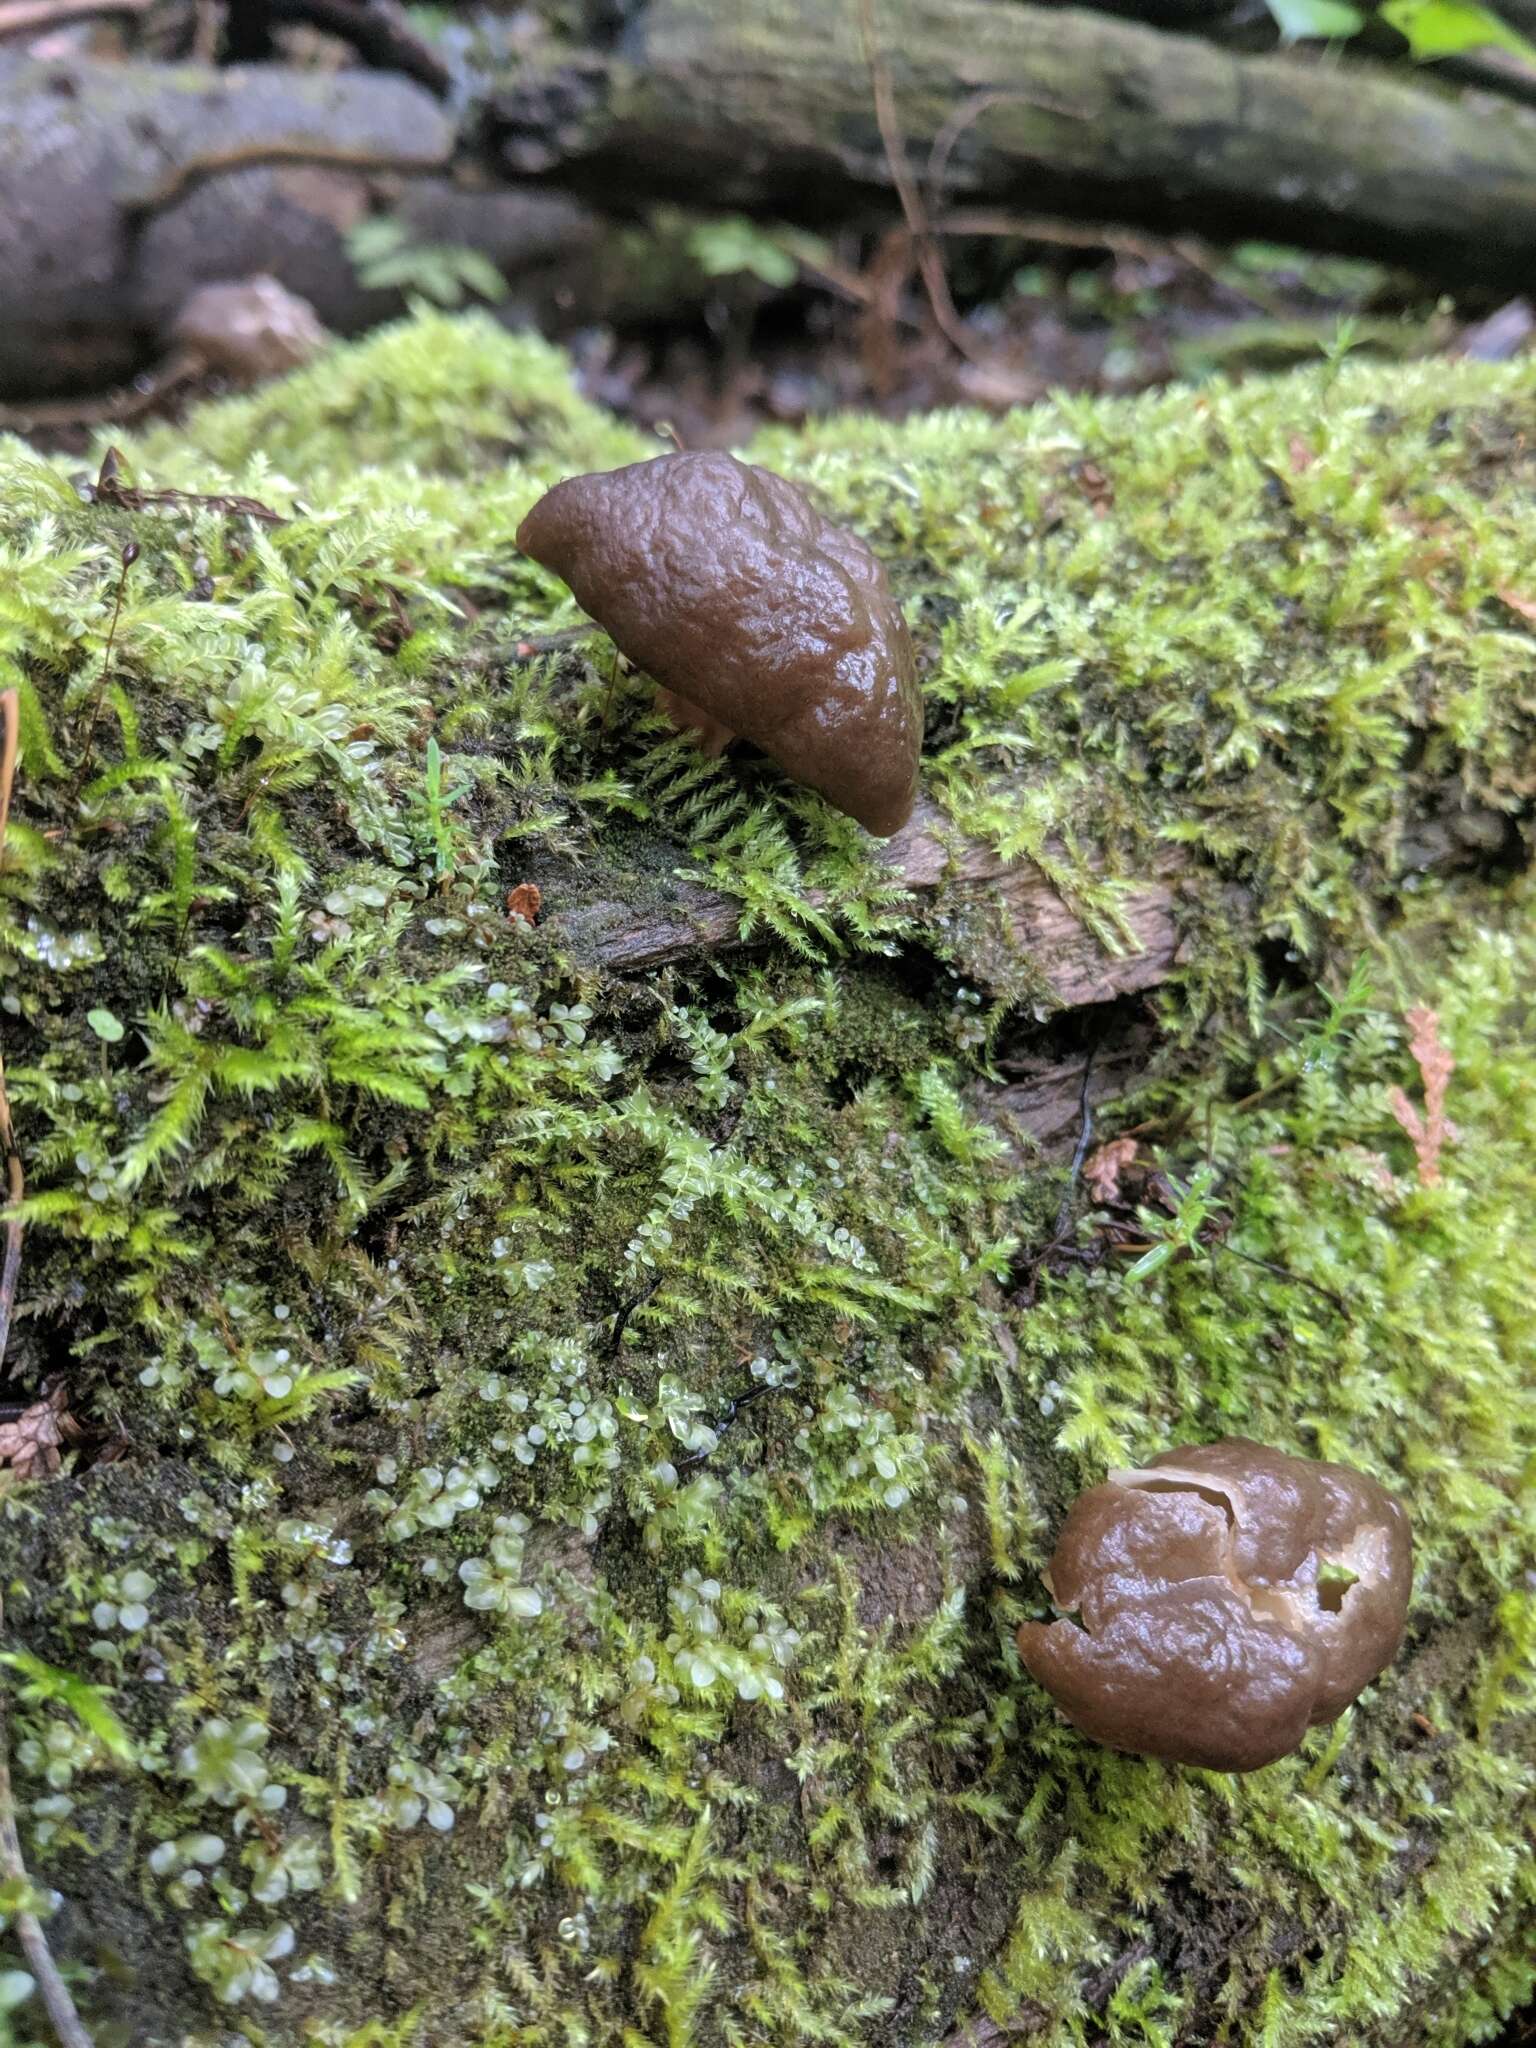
(724, 583)
(1211, 1619)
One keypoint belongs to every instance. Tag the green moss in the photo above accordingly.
(494, 1671)
(452, 397)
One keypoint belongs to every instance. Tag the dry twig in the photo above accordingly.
(930, 265)
(380, 34)
(10, 713)
(57, 2003)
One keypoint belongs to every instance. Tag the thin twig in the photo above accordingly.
(109, 489)
(621, 1320)
(57, 2003)
(10, 1272)
(381, 36)
(1028, 227)
(930, 266)
(206, 24)
(970, 111)
(1285, 1273)
(107, 409)
(734, 1403)
(10, 714)
(1031, 227)
(20, 17)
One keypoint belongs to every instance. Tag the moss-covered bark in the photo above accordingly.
(767, 104)
(491, 1670)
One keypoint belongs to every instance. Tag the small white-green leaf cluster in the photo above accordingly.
(224, 1764)
(492, 1585)
(236, 1962)
(701, 1655)
(122, 1604)
(434, 1498)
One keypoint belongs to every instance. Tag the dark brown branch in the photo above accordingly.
(57, 2003)
(16, 1185)
(28, 17)
(1057, 109)
(378, 33)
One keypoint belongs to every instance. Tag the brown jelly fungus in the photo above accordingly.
(1220, 1602)
(759, 618)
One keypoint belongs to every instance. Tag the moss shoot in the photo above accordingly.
(567, 1455)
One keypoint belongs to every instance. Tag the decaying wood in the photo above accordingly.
(1075, 966)
(1063, 958)
(1045, 1107)
(90, 281)
(123, 187)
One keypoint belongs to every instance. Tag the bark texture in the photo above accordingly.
(1048, 108)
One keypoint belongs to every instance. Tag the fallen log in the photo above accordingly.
(768, 106)
(126, 185)
(1075, 964)
(103, 233)
(562, 1452)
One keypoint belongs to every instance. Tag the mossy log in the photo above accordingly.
(124, 185)
(769, 105)
(566, 1438)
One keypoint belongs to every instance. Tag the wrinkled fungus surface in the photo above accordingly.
(759, 617)
(1221, 1602)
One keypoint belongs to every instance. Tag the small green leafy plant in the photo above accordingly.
(1431, 28)
(385, 258)
(1180, 1232)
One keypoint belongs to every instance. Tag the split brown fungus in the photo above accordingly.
(759, 618)
(1220, 1602)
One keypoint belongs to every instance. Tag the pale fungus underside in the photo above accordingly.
(490, 1669)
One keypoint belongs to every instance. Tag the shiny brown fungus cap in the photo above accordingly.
(758, 616)
(1222, 1601)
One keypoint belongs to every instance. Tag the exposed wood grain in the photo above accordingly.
(1074, 964)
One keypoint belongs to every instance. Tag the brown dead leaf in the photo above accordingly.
(1525, 606)
(523, 903)
(1095, 487)
(1104, 1166)
(31, 1444)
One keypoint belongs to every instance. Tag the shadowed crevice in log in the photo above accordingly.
(929, 856)
(674, 922)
